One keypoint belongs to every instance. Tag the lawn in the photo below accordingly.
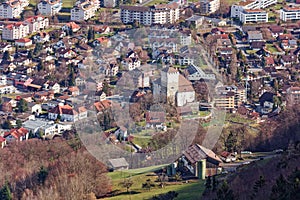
(141, 141)
(271, 48)
(155, 2)
(186, 191)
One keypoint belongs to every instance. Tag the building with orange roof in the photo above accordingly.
(19, 134)
(36, 23)
(12, 8)
(23, 42)
(50, 7)
(15, 31)
(2, 142)
(71, 25)
(290, 13)
(67, 113)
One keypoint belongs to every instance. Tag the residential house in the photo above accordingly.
(156, 14)
(154, 118)
(84, 10)
(118, 164)
(23, 42)
(71, 25)
(293, 95)
(266, 101)
(200, 161)
(110, 3)
(19, 134)
(290, 13)
(195, 20)
(2, 142)
(121, 133)
(255, 36)
(12, 8)
(15, 31)
(288, 60)
(131, 61)
(67, 113)
(49, 7)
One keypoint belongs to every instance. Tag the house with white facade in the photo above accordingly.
(157, 14)
(13, 8)
(253, 16)
(67, 113)
(84, 10)
(237, 8)
(50, 7)
(15, 31)
(209, 6)
(37, 23)
(290, 13)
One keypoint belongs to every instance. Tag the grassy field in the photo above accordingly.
(155, 2)
(271, 48)
(141, 141)
(187, 191)
(66, 3)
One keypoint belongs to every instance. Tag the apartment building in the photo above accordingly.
(13, 8)
(157, 14)
(50, 7)
(230, 96)
(290, 13)
(293, 95)
(37, 23)
(209, 6)
(236, 9)
(83, 11)
(253, 16)
(15, 31)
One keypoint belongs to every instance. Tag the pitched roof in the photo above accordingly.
(197, 152)
(17, 133)
(118, 162)
(102, 105)
(184, 85)
(65, 109)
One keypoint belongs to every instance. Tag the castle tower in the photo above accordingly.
(169, 83)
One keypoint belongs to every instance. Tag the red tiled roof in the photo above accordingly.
(17, 133)
(2, 139)
(102, 105)
(65, 109)
(23, 40)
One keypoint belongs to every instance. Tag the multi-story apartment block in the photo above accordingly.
(37, 23)
(15, 31)
(84, 10)
(230, 96)
(236, 9)
(209, 6)
(13, 8)
(252, 16)
(157, 14)
(50, 7)
(290, 13)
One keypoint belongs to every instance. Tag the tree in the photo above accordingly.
(6, 56)
(257, 186)
(225, 193)
(5, 193)
(167, 196)
(19, 123)
(30, 54)
(214, 183)
(178, 176)
(40, 66)
(6, 125)
(22, 105)
(208, 183)
(230, 142)
(148, 184)
(42, 175)
(91, 34)
(127, 183)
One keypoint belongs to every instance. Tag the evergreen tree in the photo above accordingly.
(257, 186)
(22, 105)
(214, 183)
(6, 56)
(5, 193)
(230, 142)
(42, 175)
(91, 34)
(225, 193)
(6, 125)
(208, 183)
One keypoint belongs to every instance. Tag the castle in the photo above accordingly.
(174, 88)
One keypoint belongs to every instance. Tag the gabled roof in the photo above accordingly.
(118, 162)
(197, 152)
(17, 133)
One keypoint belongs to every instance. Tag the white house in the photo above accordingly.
(50, 7)
(15, 31)
(12, 8)
(67, 113)
(84, 10)
(36, 23)
(253, 16)
(157, 14)
(7, 89)
(290, 13)
(23, 42)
